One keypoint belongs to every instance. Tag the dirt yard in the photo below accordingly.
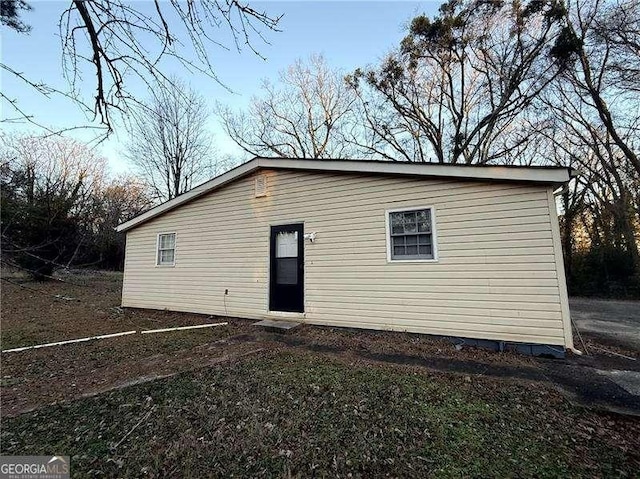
(88, 305)
(236, 400)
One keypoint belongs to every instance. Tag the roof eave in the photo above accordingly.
(549, 175)
(543, 175)
(200, 190)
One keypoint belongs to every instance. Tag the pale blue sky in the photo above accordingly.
(349, 35)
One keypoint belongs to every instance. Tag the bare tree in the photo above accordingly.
(305, 115)
(595, 110)
(120, 40)
(604, 189)
(170, 144)
(459, 84)
(54, 165)
(599, 50)
(600, 209)
(120, 199)
(49, 191)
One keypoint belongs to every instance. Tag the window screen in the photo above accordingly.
(411, 235)
(166, 249)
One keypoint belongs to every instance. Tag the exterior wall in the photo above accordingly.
(499, 273)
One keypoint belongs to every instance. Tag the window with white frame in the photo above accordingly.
(411, 234)
(166, 249)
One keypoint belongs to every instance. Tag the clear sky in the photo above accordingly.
(349, 35)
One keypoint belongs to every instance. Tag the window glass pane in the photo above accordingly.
(168, 241)
(424, 221)
(411, 240)
(424, 239)
(425, 251)
(166, 256)
(412, 250)
(397, 223)
(287, 244)
(398, 240)
(287, 271)
(410, 225)
(166, 248)
(398, 251)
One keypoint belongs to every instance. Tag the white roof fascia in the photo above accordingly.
(494, 173)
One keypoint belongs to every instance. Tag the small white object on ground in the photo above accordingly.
(59, 343)
(105, 336)
(66, 298)
(151, 331)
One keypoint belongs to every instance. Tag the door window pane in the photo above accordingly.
(287, 244)
(287, 271)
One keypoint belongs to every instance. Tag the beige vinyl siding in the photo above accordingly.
(496, 276)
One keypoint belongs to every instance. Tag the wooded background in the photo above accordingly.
(543, 82)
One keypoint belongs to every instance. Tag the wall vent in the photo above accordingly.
(260, 186)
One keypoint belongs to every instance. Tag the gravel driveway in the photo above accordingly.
(616, 322)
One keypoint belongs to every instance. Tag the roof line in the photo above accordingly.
(538, 174)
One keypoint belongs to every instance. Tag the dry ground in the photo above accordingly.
(237, 401)
(36, 313)
(88, 305)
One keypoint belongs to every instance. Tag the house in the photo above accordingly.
(460, 251)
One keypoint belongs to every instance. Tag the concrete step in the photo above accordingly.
(277, 325)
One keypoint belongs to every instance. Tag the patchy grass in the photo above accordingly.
(31, 379)
(35, 312)
(285, 413)
(290, 414)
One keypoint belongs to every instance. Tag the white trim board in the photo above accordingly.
(543, 175)
(562, 280)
